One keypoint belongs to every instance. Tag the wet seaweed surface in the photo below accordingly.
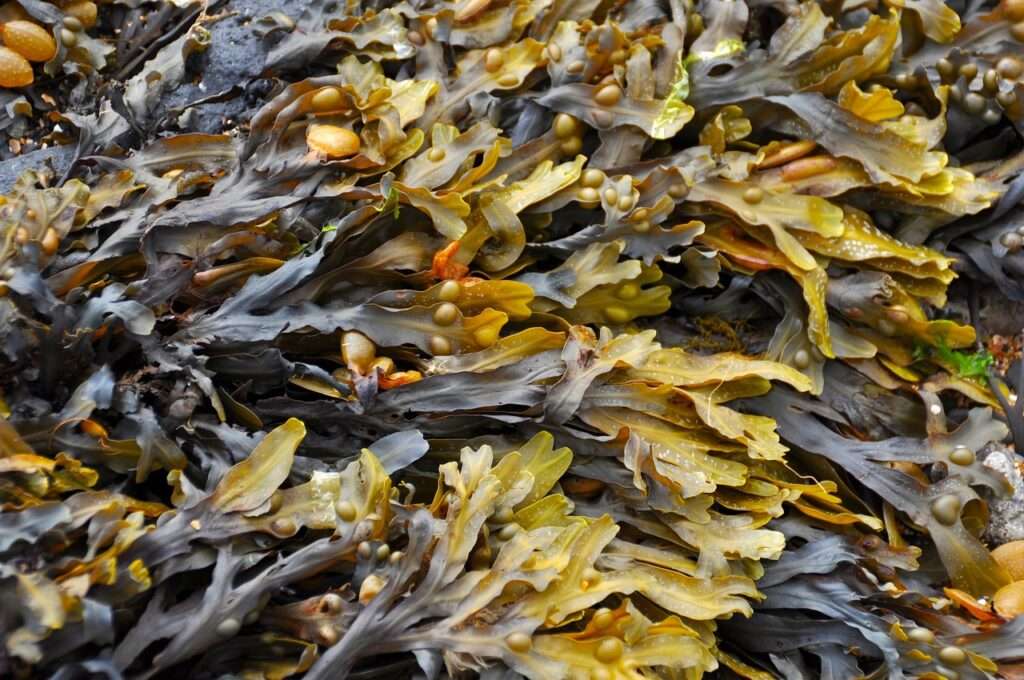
(582, 339)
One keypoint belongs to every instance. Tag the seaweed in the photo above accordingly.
(520, 338)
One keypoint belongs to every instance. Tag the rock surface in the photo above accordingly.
(57, 158)
(234, 59)
(1007, 515)
(232, 65)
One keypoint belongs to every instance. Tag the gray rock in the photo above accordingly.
(1006, 521)
(234, 59)
(57, 158)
